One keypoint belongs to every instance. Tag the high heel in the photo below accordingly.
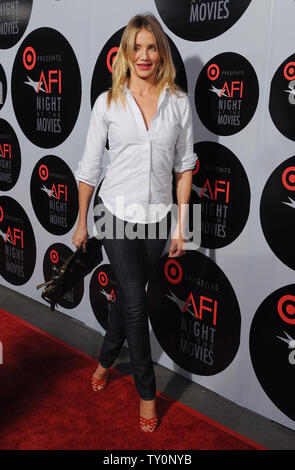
(98, 385)
(148, 424)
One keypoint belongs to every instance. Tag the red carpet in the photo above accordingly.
(46, 403)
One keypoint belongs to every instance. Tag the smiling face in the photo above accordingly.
(146, 57)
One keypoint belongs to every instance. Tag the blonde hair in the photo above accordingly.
(165, 74)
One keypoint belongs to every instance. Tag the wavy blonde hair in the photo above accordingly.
(165, 74)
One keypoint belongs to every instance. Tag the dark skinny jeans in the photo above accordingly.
(134, 262)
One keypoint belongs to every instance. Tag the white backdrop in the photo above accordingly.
(265, 35)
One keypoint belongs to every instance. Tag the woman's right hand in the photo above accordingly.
(80, 237)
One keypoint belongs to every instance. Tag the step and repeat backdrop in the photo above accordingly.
(222, 315)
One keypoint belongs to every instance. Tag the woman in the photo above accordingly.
(147, 120)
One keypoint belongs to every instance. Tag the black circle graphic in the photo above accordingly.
(226, 93)
(102, 74)
(10, 156)
(282, 98)
(54, 195)
(272, 347)
(54, 258)
(103, 293)
(194, 313)
(277, 212)
(46, 87)
(221, 186)
(200, 20)
(17, 243)
(14, 18)
(3, 87)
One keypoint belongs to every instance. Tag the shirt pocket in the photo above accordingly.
(165, 133)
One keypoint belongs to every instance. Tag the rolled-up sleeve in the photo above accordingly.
(90, 166)
(184, 156)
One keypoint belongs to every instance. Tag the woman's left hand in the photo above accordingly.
(176, 247)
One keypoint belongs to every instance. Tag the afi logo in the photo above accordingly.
(5, 150)
(220, 186)
(48, 80)
(15, 234)
(61, 189)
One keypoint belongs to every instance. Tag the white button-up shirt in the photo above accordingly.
(140, 161)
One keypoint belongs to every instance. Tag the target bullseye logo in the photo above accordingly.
(173, 271)
(213, 72)
(1, 214)
(103, 278)
(286, 306)
(54, 256)
(29, 58)
(288, 177)
(289, 71)
(43, 172)
(272, 347)
(111, 57)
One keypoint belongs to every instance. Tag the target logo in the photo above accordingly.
(286, 308)
(29, 58)
(43, 172)
(54, 256)
(213, 72)
(288, 178)
(277, 210)
(103, 278)
(1, 214)
(111, 57)
(289, 71)
(271, 338)
(173, 271)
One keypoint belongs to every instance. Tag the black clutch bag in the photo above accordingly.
(76, 267)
